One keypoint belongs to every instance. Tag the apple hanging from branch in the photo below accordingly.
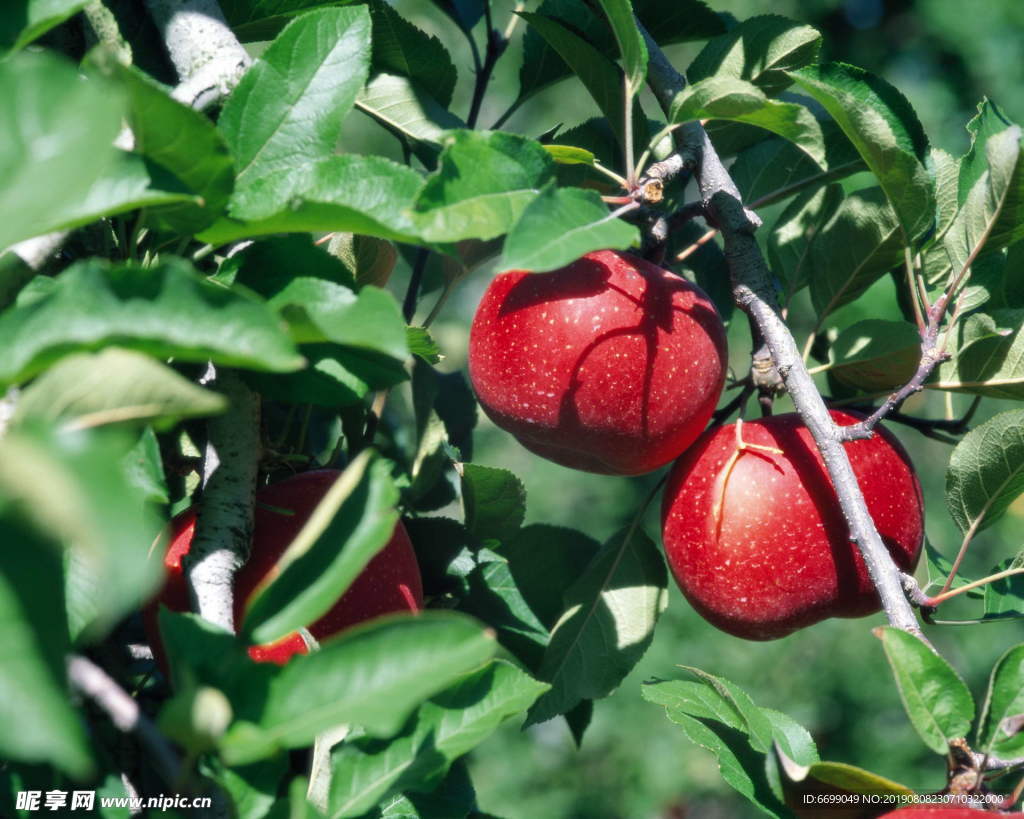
(610, 364)
(389, 583)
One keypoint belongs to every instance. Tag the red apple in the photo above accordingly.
(936, 811)
(758, 542)
(610, 364)
(390, 582)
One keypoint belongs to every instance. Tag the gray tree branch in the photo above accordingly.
(223, 532)
(754, 293)
(205, 52)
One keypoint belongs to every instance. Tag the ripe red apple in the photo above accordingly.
(390, 582)
(757, 540)
(610, 364)
(936, 811)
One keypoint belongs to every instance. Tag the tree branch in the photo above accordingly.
(223, 532)
(754, 293)
(205, 52)
(93, 682)
(496, 45)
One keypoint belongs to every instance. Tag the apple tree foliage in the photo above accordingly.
(196, 246)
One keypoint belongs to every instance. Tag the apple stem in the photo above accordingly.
(224, 524)
(754, 293)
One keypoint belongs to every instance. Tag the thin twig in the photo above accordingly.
(992, 578)
(697, 245)
(496, 45)
(412, 292)
(93, 682)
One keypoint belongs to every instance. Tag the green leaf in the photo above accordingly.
(994, 281)
(269, 265)
(1005, 598)
(56, 141)
(422, 345)
(991, 189)
(494, 500)
(876, 355)
(542, 64)
(334, 376)
(318, 310)
(885, 131)
(251, 788)
(544, 561)
(353, 342)
(599, 75)
(404, 109)
(775, 169)
(935, 698)
(791, 738)
(495, 598)
(989, 360)
(855, 780)
(986, 471)
(608, 622)
(401, 48)
(444, 728)
(679, 21)
(353, 521)
(115, 386)
(483, 183)
(295, 805)
(713, 698)
(693, 698)
(454, 798)
(67, 486)
(37, 723)
(559, 226)
(130, 182)
(727, 98)
(568, 155)
(165, 310)
(752, 720)
(760, 50)
(288, 107)
(144, 469)
(358, 194)
(374, 675)
(999, 728)
(945, 171)
(859, 244)
(203, 654)
(632, 48)
(183, 141)
(26, 20)
(734, 770)
(791, 243)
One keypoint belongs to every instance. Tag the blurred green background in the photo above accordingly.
(944, 55)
